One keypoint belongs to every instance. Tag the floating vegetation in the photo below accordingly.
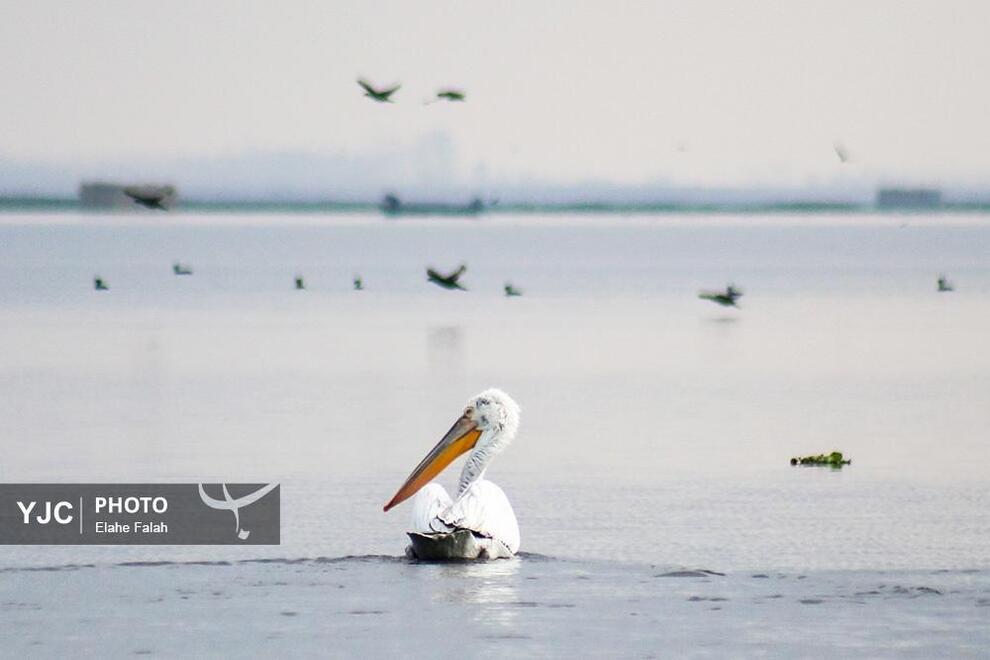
(834, 460)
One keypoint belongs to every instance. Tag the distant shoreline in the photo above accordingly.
(49, 204)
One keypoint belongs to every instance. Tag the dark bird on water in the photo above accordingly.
(944, 284)
(358, 284)
(379, 95)
(511, 291)
(99, 284)
(452, 95)
(300, 283)
(148, 201)
(725, 298)
(181, 269)
(447, 281)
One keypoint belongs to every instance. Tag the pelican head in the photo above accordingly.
(486, 427)
(496, 412)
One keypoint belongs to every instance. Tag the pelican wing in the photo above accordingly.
(483, 509)
(430, 502)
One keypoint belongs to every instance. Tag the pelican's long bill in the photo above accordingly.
(461, 437)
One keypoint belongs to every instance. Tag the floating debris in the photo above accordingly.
(689, 573)
(834, 460)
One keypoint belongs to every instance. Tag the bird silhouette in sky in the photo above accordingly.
(453, 95)
(842, 153)
(379, 95)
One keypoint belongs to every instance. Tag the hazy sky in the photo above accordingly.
(707, 92)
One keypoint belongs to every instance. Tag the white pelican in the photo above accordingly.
(479, 522)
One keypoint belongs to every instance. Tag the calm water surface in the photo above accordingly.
(656, 427)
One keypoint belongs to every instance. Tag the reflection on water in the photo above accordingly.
(491, 586)
(445, 348)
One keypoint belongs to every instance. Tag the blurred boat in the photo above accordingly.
(100, 195)
(392, 206)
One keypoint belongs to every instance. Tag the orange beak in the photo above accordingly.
(462, 436)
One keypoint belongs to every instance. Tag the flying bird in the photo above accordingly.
(842, 153)
(358, 283)
(511, 291)
(452, 95)
(944, 284)
(300, 283)
(99, 284)
(447, 281)
(379, 95)
(181, 269)
(725, 298)
(479, 522)
(148, 201)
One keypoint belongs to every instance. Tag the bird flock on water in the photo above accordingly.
(449, 280)
(729, 297)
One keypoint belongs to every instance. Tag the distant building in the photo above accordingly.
(909, 198)
(103, 195)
